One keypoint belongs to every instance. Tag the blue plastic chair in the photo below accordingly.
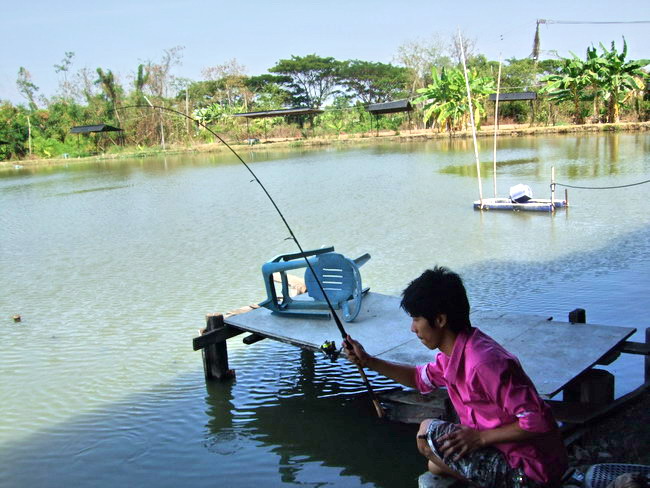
(339, 276)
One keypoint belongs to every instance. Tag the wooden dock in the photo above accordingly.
(558, 356)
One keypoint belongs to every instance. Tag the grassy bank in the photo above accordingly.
(342, 139)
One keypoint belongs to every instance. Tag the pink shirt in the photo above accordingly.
(489, 388)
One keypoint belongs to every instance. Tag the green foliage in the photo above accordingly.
(344, 117)
(445, 99)
(569, 84)
(606, 75)
(373, 82)
(220, 119)
(310, 79)
(13, 131)
(615, 77)
(602, 85)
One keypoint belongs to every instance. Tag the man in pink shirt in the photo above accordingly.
(507, 436)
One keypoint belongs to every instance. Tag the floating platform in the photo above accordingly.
(533, 205)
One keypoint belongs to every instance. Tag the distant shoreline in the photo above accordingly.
(343, 139)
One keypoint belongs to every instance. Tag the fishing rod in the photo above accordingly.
(329, 346)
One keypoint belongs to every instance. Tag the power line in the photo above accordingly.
(548, 21)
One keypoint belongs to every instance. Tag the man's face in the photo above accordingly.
(428, 334)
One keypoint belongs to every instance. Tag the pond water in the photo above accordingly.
(113, 266)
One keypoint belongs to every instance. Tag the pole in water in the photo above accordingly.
(471, 118)
(337, 320)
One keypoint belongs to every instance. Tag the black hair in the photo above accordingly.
(438, 291)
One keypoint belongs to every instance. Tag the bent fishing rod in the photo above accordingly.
(337, 320)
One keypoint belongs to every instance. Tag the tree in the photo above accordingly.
(26, 88)
(159, 74)
(267, 91)
(63, 69)
(140, 81)
(229, 83)
(111, 89)
(419, 57)
(311, 79)
(446, 100)
(373, 82)
(468, 47)
(13, 131)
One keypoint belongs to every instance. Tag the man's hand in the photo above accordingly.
(355, 352)
(460, 442)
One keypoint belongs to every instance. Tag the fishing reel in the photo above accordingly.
(329, 349)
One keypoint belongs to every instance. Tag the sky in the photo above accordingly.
(120, 34)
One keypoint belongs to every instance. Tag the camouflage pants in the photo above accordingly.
(486, 468)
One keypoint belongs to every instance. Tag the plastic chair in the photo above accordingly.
(339, 276)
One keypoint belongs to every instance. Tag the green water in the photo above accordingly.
(113, 265)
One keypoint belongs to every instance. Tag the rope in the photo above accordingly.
(598, 187)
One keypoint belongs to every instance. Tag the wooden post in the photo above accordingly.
(552, 188)
(471, 119)
(578, 316)
(29, 135)
(496, 126)
(593, 386)
(215, 356)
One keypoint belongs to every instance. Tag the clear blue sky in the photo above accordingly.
(120, 34)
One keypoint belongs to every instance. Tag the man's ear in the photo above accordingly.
(440, 320)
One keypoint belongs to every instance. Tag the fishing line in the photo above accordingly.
(337, 320)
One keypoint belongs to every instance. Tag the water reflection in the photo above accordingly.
(310, 425)
(486, 166)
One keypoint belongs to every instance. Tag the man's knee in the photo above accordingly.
(435, 469)
(423, 445)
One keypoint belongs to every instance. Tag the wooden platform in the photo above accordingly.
(553, 353)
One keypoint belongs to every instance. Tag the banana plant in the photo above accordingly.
(445, 98)
(617, 78)
(570, 84)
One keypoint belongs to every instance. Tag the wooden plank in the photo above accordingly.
(630, 347)
(253, 338)
(215, 336)
(552, 353)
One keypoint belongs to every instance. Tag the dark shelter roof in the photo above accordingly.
(511, 97)
(87, 129)
(279, 113)
(390, 107)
